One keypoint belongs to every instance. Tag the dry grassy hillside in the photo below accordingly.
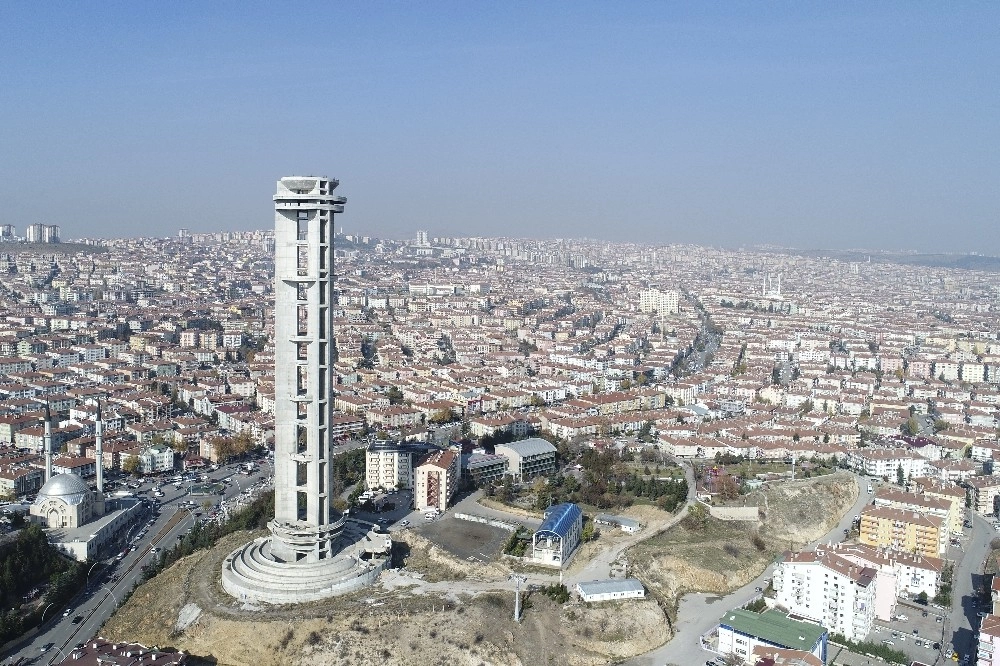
(710, 555)
(384, 627)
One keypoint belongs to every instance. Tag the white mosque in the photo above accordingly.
(77, 518)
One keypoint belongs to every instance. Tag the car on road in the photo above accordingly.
(78, 619)
(46, 647)
(758, 589)
(404, 523)
(67, 612)
(888, 642)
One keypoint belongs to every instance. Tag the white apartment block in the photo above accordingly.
(660, 302)
(988, 649)
(388, 466)
(156, 458)
(829, 590)
(886, 462)
(899, 573)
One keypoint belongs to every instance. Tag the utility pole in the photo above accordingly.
(517, 595)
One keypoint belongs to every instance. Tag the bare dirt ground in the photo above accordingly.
(444, 610)
(465, 622)
(508, 508)
(710, 555)
(466, 540)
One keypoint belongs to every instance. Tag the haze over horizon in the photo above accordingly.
(796, 125)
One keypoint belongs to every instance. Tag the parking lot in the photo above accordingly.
(915, 631)
(474, 542)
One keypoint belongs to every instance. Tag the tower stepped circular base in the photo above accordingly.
(251, 573)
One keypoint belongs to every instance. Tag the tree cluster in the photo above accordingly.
(233, 446)
(252, 517)
(608, 483)
(26, 563)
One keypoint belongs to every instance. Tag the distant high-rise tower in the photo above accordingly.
(33, 233)
(42, 233)
(422, 240)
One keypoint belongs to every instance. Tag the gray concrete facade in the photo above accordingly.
(304, 527)
(305, 557)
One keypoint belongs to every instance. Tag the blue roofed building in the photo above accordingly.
(558, 536)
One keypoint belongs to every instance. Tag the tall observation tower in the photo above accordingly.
(303, 526)
(309, 555)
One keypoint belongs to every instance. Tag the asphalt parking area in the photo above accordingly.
(474, 542)
(918, 646)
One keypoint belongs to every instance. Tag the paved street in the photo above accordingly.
(108, 588)
(698, 613)
(964, 618)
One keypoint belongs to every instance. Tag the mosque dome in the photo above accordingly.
(68, 487)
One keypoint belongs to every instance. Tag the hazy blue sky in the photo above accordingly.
(872, 124)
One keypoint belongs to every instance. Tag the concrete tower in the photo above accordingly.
(303, 526)
(308, 555)
(99, 448)
(47, 442)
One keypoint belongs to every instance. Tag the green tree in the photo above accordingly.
(131, 465)
(900, 478)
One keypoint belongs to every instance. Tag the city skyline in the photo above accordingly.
(808, 126)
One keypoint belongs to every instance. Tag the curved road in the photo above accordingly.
(698, 612)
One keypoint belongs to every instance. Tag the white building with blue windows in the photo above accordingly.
(558, 535)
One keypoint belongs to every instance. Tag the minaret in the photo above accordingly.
(99, 448)
(47, 442)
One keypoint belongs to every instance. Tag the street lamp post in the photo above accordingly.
(111, 592)
(89, 572)
(62, 655)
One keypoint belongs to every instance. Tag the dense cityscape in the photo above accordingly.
(551, 429)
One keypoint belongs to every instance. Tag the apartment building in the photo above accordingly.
(435, 480)
(908, 531)
(984, 491)
(529, 458)
(931, 506)
(988, 649)
(389, 465)
(828, 589)
(156, 458)
(898, 573)
(886, 463)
